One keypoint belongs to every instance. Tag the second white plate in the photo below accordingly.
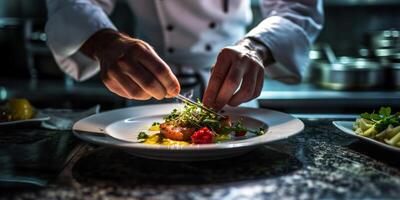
(347, 127)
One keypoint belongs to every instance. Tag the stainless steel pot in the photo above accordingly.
(384, 44)
(348, 73)
(384, 39)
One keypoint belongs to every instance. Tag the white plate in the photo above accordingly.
(119, 128)
(347, 127)
(35, 120)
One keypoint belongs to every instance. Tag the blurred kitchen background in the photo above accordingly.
(355, 62)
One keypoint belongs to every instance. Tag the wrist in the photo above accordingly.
(100, 42)
(259, 49)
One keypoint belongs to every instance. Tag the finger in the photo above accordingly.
(115, 88)
(112, 85)
(246, 90)
(133, 89)
(128, 86)
(143, 78)
(162, 72)
(230, 85)
(217, 78)
(259, 84)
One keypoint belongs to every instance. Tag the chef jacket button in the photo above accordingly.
(208, 47)
(212, 25)
(170, 27)
(170, 50)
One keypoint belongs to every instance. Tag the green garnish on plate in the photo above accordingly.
(382, 126)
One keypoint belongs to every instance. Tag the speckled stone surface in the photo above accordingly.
(33, 156)
(319, 163)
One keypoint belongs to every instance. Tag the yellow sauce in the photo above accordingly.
(222, 137)
(156, 139)
(155, 127)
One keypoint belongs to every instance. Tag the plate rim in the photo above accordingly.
(98, 138)
(344, 129)
(36, 119)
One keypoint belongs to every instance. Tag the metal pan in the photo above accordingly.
(348, 74)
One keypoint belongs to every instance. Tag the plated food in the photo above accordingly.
(120, 129)
(16, 109)
(383, 126)
(193, 125)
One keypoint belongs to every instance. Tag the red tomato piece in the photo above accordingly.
(203, 136)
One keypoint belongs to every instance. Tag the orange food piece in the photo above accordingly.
(176, 133)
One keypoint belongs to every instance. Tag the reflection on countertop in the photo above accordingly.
(33, 157)
(321, 162)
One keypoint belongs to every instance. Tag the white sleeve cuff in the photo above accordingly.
(67, 29)
(288, 44)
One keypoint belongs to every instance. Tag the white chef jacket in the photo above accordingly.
(189, 32)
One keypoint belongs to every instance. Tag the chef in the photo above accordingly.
(200, 34)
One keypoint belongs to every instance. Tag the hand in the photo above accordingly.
(240, 65)
(130, 67)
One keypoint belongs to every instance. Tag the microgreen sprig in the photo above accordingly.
(383, 118)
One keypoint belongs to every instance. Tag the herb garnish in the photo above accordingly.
(383, 119)
(239, 127)
(142, 135)
(196, 117)
(193, 116)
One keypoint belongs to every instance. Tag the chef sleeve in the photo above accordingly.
(288, 30)
(70, 23)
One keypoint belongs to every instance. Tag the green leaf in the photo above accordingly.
(383, 119)
(142, 135)
(375, 116)
(236, 127)
(385, 111)
(365, 115)
(260, 131)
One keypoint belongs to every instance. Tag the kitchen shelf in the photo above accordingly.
(307, 98)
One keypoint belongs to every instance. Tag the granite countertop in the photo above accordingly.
(321, 162)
